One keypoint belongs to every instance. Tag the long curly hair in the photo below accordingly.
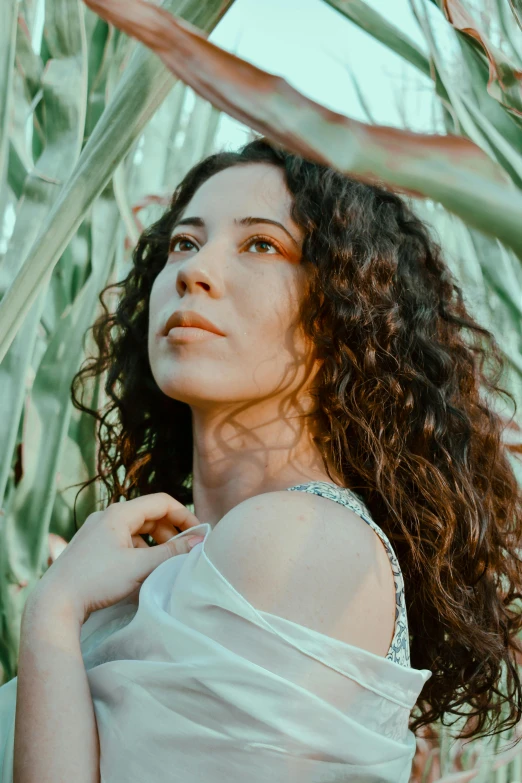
(399, 412)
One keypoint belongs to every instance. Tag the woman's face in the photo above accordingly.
(249, 288)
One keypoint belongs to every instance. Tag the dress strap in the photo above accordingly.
(399, 651)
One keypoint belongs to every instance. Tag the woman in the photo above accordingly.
(360, 517)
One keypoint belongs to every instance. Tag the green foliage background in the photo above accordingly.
(94, 135)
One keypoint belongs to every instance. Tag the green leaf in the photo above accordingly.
(51, 387)
(143, 87)
(508, 30)
(516, 7)
(448, 169)
(64, 84)
(505, 79)
(472, 122)
(100, 51)
(25, 547)
(7, 54)
(16, 171)
(28, 64)
(476, 73)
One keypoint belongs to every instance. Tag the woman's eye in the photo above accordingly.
(176, 241)
(263, 242)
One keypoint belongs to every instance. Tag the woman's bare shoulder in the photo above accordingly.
(310, 560)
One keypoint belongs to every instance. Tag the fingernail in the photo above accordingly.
(194, 540)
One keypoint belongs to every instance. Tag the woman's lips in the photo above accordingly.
(189, 334)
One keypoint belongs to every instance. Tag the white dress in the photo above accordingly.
(198, 686)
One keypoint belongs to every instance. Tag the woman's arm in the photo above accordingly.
(56, 737)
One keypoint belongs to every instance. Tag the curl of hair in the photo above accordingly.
(399, 415)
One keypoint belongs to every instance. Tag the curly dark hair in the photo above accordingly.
(399, 412)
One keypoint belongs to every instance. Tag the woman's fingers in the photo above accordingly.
(139, 543)
(163, 531)
(150, 513)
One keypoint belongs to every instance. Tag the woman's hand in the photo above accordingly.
(107, 559)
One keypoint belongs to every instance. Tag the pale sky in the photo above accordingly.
(314, 48)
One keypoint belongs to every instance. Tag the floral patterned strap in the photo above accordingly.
(399, 651)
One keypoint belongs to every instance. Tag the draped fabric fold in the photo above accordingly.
(194, 685)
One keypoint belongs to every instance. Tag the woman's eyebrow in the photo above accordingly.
(246, 221)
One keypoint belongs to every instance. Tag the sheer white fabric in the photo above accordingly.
(194, 685)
